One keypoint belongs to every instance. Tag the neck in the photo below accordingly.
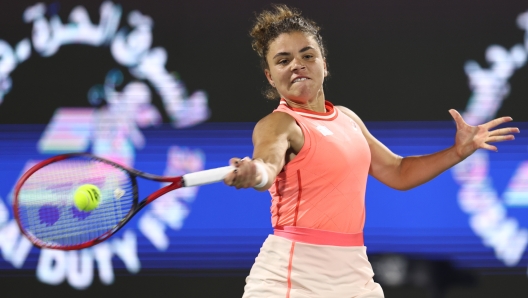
(316, 104)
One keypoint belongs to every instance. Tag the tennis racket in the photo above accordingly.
(47, 215)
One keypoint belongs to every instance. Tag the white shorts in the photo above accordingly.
(289, 269)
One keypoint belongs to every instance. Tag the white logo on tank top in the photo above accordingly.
(324, 130)
(353, 123)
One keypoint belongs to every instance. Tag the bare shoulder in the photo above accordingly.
(358, 120)
(279, 128)
(351, 114)
(277, 122)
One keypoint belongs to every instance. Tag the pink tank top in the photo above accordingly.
(323, 187)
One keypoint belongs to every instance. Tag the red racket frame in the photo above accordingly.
(176, 182)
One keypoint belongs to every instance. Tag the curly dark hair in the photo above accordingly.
(270, 24)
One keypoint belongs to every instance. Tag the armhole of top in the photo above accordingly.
(294, 164)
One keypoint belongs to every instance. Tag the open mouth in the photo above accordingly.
(299, 80)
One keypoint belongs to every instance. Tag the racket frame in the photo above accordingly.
(176, 182)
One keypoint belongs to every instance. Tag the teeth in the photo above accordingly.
(299, 79)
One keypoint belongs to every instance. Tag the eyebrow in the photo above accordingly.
(287, 53)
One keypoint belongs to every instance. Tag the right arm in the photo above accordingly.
(273, 138)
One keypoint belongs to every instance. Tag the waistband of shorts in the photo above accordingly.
(320, 237)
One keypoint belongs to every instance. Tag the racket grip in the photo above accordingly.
(207, 176)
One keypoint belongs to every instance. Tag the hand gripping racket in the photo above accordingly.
(44, 204)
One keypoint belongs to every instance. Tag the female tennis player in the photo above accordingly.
(314, 159)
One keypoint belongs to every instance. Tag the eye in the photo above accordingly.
(283, 61)
(308, 56)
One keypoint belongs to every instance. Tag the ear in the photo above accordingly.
(325, 70)
(268, 76)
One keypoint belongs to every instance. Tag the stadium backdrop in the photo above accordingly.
(173, 86)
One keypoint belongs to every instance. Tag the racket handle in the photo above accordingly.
(207, 176)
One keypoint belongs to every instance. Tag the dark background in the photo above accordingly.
(389, 60)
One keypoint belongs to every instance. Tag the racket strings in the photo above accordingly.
(46, 206)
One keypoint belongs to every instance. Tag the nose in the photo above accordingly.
(297, 65)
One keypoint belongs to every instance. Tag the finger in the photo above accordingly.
(229, 179)
(457, 117)
(246, 166)
(500, 139)
(246, 174)
(244, 162)
(234, 161)
(497, 121)
(504, 131)
(489, 147)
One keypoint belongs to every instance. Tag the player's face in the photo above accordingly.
(296, 67)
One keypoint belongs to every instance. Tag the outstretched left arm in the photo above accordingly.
(408, 172)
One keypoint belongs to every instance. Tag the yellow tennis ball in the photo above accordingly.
(87, 197)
